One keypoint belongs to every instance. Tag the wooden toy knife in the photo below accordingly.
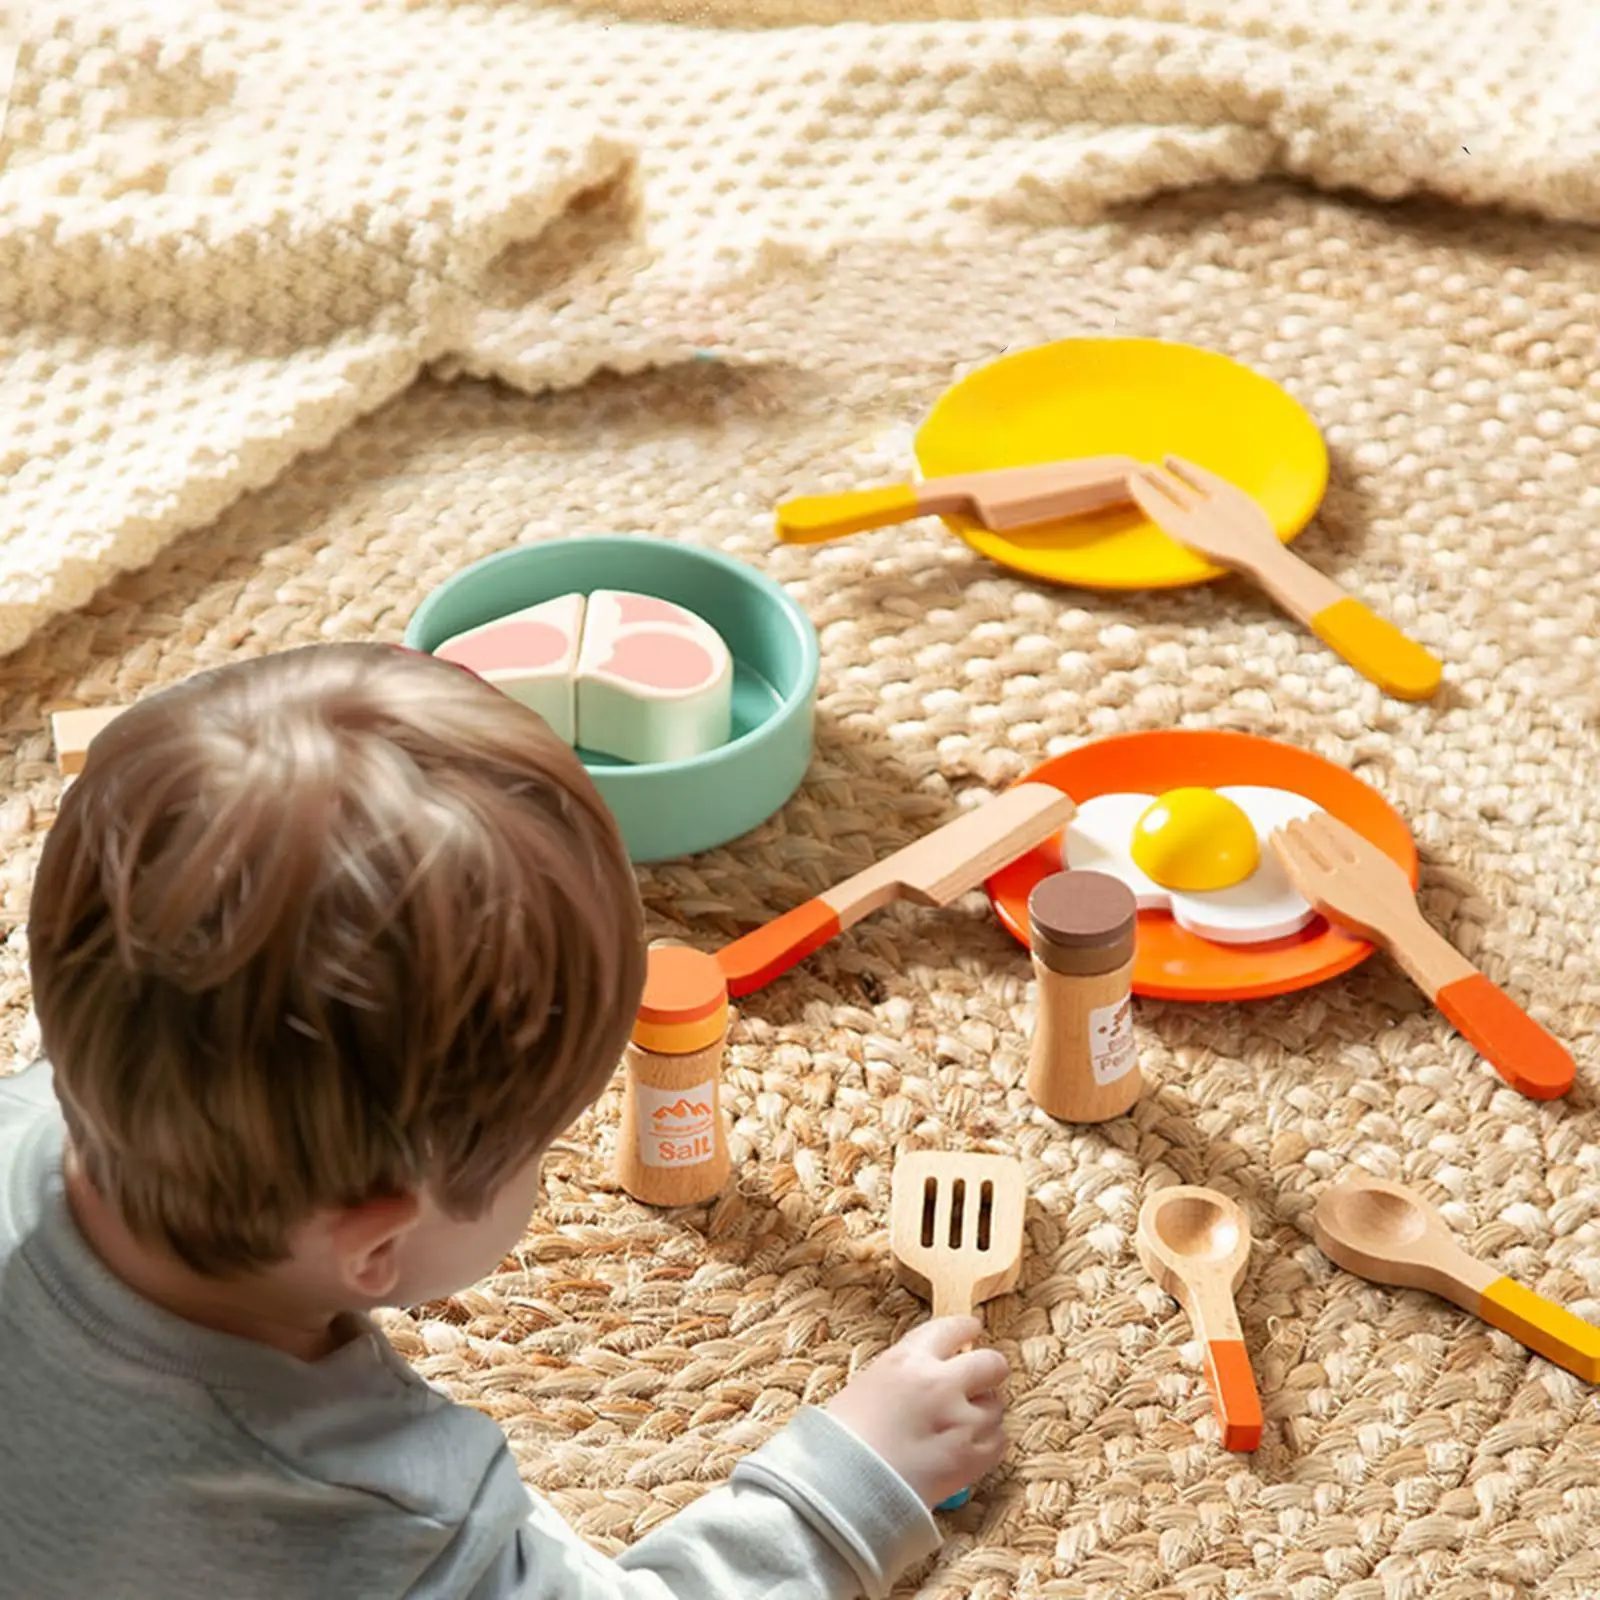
(931, 871)
(1008, 497)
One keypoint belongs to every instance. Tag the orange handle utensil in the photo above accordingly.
(1526, 1055)
(1195, 1243)
(1352, 883)
(933, 871)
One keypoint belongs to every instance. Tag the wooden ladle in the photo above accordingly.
(1390, 1234)
(1195, 1243)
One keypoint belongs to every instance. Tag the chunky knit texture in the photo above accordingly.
(1448, 354)
(227, 231)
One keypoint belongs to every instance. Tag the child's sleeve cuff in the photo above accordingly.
(848, 1493)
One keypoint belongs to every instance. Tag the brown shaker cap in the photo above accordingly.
(1082, 921)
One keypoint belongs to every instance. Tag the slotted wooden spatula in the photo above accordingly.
(956, 1227)
(1008, 497)
(1353, 883)
(1215, 519)
(956, 1233)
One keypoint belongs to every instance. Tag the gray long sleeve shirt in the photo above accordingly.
(145, 1458)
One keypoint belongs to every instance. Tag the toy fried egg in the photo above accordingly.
(1200, 854)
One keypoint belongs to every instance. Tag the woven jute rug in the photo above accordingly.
(633, 1356)
(278, 472)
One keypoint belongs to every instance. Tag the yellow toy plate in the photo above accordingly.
(1146, 398)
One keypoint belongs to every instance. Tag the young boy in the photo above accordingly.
(326, 949)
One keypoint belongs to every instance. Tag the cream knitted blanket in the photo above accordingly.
(227, 230)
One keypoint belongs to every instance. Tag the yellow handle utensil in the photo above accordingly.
(1545, 1328)
(1008, 497)
(816, 518)
(1390, 1234)
(1377, 649)
(1213, 518)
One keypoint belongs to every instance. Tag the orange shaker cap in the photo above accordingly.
(681, 985)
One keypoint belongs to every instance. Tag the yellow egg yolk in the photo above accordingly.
(1195, 839)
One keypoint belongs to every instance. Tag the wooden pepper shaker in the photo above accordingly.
(672, 1149)
(1084, 1065)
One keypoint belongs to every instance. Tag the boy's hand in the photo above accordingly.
(930, 1407)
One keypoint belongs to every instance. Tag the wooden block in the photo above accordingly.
(73, 729)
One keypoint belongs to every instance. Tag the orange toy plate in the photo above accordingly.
(1172, 964)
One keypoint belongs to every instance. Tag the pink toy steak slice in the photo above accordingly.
(531, 655)
(655, 682)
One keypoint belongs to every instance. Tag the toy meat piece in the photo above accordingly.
(655, 682)
(531, 655)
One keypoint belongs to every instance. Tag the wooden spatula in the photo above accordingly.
(1390, 1234)
(1213, 518)
(956, 1233)
(1353, 883)
(1009, 497)
(956, 1227)
(932, 871)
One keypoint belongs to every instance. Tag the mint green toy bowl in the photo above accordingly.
(669, 808)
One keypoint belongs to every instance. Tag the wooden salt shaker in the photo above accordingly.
(1084, 1065)
(672, 1149)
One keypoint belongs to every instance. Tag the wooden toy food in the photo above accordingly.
(1171, 962)
(933, 871)
(672, 1148)
(1084, 1061)
(1208, 515)
(1196, 852)
(531, 655)
(625, 675)
(1009, 497)
(1195, 1243)
(654, 683)
(956, 1229)
(1390, 1234)
(1355, 884)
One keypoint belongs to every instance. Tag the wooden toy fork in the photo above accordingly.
(1353, 883)
(1208, 515)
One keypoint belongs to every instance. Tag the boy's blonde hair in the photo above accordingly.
(324, 927)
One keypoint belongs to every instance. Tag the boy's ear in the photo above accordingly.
(366, 1242)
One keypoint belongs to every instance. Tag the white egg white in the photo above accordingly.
(1264, 907)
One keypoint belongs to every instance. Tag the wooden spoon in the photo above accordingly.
(1390, 1234)
(956, 1233)
(1195, 1243)
(1213, 518)
(1009, 497)
(1353, 883)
